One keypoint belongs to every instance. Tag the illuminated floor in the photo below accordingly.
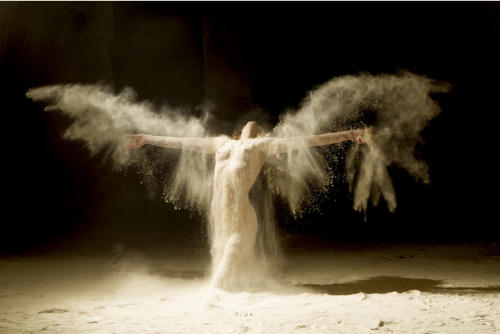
(341, 288)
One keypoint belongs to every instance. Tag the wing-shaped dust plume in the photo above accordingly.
(398, 107)
(102, 120)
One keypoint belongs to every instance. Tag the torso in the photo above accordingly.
(235, 223)
(238, 163)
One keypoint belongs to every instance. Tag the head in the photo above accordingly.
(253, 123)
(250, 130)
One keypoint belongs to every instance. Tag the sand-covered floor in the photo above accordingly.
(326, 287)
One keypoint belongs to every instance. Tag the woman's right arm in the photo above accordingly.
(202, 145)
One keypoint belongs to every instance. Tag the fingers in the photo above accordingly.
(135, 141)
(132, 145)
(359, 136)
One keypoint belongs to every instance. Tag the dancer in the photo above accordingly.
(237, 165)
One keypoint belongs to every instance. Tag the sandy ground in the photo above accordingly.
(325, 288)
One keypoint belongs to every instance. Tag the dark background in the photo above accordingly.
(240, 55)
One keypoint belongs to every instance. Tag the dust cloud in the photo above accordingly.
(102, 119)
(395, 108)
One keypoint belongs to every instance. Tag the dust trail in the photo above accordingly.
(396, 107)
(400, 106)
(102, 119)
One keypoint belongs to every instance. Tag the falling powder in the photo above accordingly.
(396, 108)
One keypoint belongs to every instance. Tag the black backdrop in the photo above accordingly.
(241, 55)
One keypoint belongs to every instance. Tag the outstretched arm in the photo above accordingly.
(202, 145)
(282, 145)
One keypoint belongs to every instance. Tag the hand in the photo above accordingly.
(136, 141)
(358, 136)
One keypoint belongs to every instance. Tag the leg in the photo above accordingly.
(235, 265)
(226, 268)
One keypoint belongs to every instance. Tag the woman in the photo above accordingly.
(237, 165)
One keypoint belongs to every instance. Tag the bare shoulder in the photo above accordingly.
(221, 141)
(265, 141)
(264, 145)
(262, 142)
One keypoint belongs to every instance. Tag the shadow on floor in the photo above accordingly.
(379, 284)
(386, 284)
(183, 274)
